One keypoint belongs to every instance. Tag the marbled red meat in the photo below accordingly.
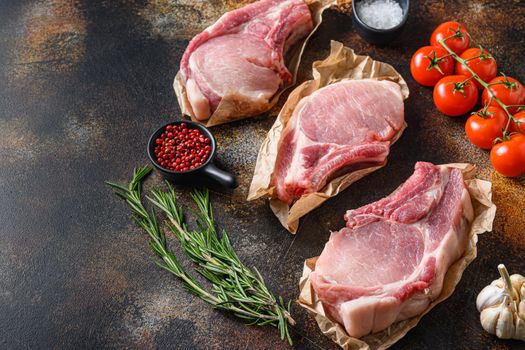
(243, 54)
(339, 128)
(389, 263)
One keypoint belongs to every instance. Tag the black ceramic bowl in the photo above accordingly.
(379, 36)
(204, 175)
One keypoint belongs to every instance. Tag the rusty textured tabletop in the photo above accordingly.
(82, 85)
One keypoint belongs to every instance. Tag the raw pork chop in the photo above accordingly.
(339, 128)
(388, 264)
(243, 54)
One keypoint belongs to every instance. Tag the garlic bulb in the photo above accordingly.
(502, 306)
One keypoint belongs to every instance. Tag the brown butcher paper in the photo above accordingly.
(484, 212)
(341, 64)
(233, 107)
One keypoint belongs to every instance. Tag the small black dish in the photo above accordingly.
(200, 176)
(379, 36)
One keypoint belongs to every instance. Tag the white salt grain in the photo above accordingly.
(380, 14)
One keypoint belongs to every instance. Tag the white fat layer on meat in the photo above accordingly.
(193, 66)
(199, 103)
(276, 13)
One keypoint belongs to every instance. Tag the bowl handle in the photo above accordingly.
(222, 177)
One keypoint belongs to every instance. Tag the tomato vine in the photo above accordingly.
(508, 84)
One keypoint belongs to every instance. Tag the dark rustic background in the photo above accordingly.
(82, 85)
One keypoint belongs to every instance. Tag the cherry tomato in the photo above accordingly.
(508, 90)
(508, 157)
(520, 127)
(485, 66)
(459, 43)
(454, 95)
(485, 126)
(429, 64)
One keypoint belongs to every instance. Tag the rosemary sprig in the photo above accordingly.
(132, 195)
(232, 282)
(235, 288)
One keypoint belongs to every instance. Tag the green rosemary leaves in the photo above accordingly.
(234, 287)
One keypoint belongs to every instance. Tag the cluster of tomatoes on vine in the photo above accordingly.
(500, 124)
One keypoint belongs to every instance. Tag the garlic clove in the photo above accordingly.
(519, 333)
(498, 283)
(518, 282)
(505, 324)
(489, 319)
(521, 309)
(489, 296)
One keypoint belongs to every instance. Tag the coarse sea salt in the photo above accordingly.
(380, 14)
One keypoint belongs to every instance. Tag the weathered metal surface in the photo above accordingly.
(84, 83)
